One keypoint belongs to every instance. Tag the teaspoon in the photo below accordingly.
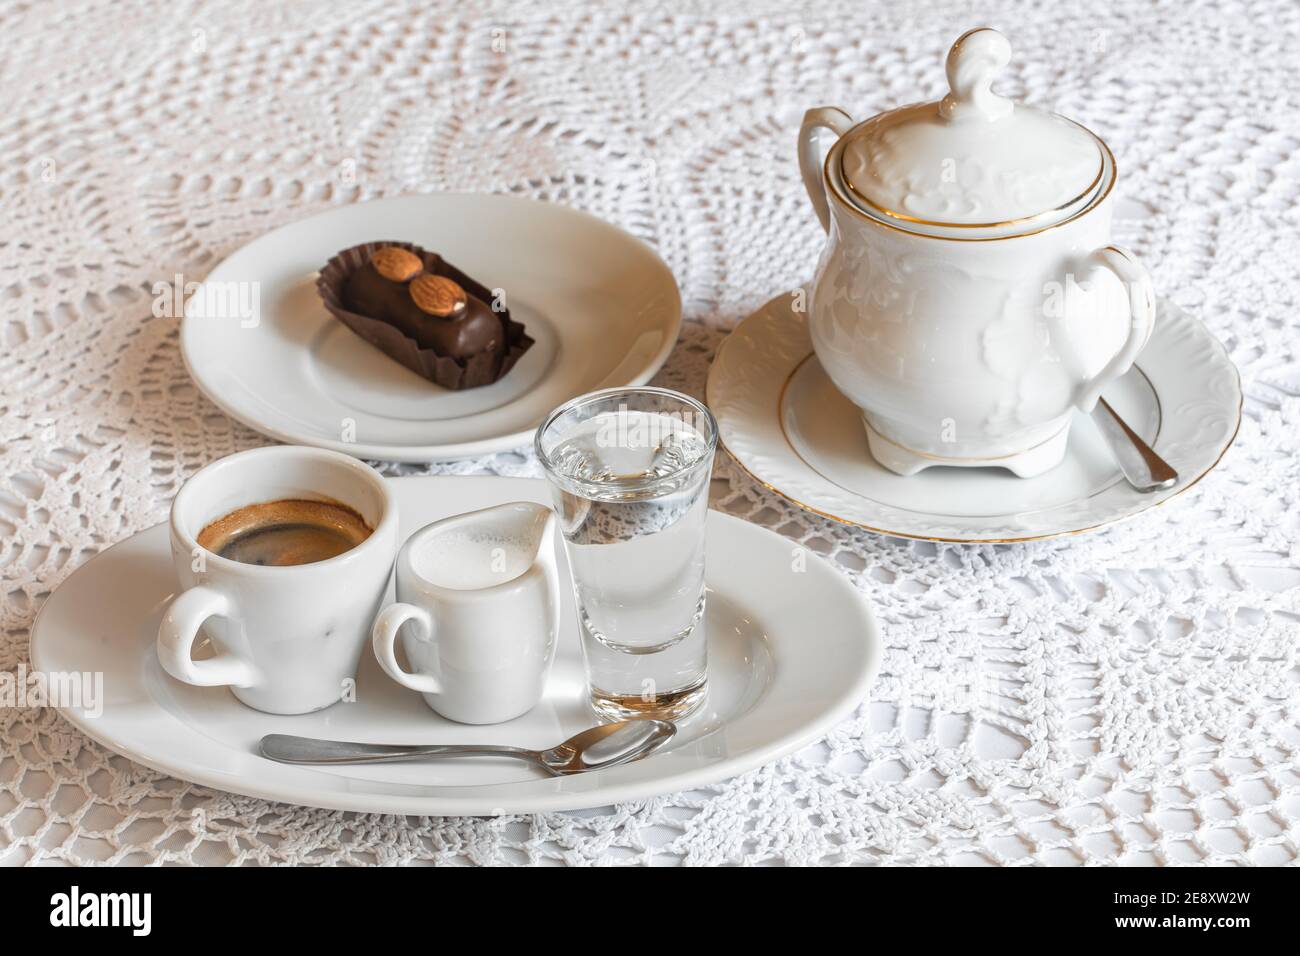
(607, 745)
(1144, 469)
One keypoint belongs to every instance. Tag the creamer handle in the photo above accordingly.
(810, 155)
(384, 634)
(1142, 318)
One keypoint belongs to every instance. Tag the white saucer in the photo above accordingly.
(775, 684)
(603, 308)
(785, 423)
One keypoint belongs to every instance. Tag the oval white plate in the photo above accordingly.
(775, 683)
(603, 308)
(784, 422)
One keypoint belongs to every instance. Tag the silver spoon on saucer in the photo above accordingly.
(607, 745)
(1144, 469)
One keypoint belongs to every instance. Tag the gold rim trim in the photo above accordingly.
(903, 217)
(1241, 399)
(838, 196)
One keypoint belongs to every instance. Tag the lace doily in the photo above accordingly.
(1129, 696)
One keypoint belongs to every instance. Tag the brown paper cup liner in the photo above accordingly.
(442, 370)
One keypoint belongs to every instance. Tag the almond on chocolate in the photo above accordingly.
(396, 264)
(438, 296)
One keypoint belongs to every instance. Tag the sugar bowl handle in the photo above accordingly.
(1142, 318)
(810, 154)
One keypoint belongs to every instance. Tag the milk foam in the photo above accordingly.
(467, 560)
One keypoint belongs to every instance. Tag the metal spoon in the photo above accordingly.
(605, 746)
(1144, 469)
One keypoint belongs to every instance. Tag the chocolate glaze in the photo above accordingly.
(475, 370)
(475, 330)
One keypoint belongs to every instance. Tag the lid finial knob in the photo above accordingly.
(974, 60)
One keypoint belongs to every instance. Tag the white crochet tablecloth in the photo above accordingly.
(1149, 675)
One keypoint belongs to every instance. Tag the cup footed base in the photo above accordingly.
(1029, 463)
(286, 707)
(477, 717)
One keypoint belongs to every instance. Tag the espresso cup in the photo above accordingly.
(478, 613)
(287, 639)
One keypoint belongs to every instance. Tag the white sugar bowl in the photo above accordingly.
(969, 299)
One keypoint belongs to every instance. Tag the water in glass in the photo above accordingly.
(631, 487)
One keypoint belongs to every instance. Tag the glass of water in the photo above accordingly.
(629, 470)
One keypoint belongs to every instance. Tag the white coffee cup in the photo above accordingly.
(288, 639)
(479, 597)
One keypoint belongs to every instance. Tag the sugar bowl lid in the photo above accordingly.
(973, 159)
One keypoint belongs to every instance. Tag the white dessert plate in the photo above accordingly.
(784, 422)
(775, 683)
(603, 308)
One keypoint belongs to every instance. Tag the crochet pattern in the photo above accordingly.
(1128, 696)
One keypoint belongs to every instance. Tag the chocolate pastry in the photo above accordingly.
(423, 312)
(459, 333)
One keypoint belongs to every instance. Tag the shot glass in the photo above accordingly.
(629, 472)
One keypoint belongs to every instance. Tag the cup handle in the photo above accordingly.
(383, 636)
(180, 626)
(1142, 318)
(810, 155)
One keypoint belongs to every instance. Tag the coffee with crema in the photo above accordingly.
(285, 532)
